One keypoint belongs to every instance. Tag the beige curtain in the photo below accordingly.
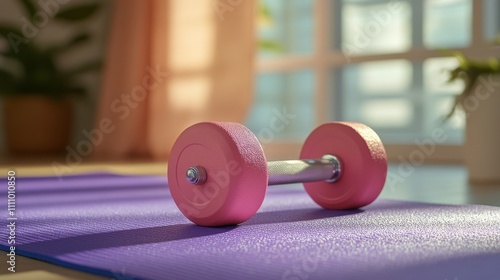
(169, 64)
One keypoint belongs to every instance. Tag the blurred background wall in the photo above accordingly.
(381, 62)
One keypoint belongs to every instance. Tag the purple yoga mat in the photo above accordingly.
(128, 227)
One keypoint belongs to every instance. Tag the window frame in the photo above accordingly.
(324, 59)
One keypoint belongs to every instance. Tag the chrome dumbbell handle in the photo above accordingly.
(327, 168)
(305, 170)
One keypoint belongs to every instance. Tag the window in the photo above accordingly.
(379, 62)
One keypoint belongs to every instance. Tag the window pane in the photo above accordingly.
(378, 94)
(447, 23)
(279, 101)
(375, 27)
(291, 27)
(385, 77)
(492, 20)
(396, 113)
(436, 108)
(381, 77)
(436, 75)
(402, 101)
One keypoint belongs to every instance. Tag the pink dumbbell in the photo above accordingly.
(218, 173)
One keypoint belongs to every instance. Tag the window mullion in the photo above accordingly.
(321, 40)
(417, 21)
(477, 24)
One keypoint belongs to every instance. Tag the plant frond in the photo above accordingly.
(78, 13)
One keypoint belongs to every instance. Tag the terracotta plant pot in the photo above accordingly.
(36, 124)
(482, 144)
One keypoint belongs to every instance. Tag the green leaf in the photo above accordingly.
(494, 64)
(75, 41)
(25, 53)
(464, 61)
(454, 74)
(270, 45)
(40, 75)
(87, 67)
(78, 39)
(264, 12)
(6, 29)
(76, 90)
(29, 7)
(7, 82)
(19, 46)
(78, 13)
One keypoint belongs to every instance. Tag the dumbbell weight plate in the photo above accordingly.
(363, 164)
(237, 173)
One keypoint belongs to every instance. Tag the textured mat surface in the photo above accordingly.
(129, 228)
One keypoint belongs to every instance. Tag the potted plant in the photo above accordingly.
(480, 100)
(36, 93)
